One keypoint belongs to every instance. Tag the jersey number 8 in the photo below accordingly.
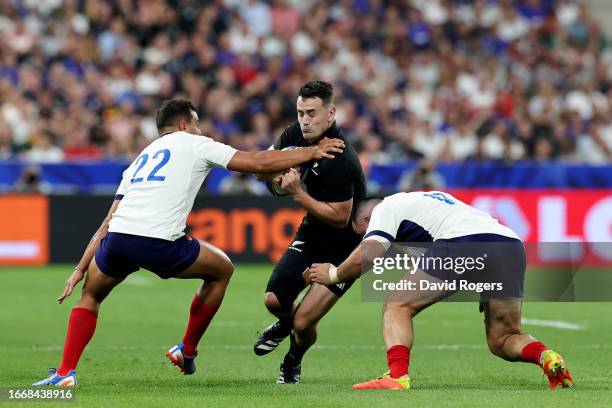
(440, 197)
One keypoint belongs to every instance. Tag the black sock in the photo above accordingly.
(295, 353)
(286, 324)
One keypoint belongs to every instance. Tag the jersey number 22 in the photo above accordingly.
(142, 160)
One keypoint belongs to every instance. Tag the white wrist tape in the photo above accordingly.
(333, 275)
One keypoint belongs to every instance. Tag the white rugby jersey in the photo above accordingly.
(158, 189)
(428, 216)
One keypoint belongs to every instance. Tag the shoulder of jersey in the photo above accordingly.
(294, 130)
(175, 138)
(182, 133)
(294, 127)
(400, 196)
(197, 138)
(294, 133)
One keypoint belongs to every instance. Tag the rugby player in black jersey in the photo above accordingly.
(333, 193)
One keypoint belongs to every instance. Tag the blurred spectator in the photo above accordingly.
(29, 182)
(241, 184)
(6, 143)
(424, 177)
(448, 80)
(597, 147)
(43, 150)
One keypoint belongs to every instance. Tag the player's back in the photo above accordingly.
(159, 187)
(433, 215)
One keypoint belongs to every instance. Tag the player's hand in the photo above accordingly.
(271, 177)
(72, 281)
(278, 178)
(291, 181)
(319, 273)
(326, 146)
(306, 276)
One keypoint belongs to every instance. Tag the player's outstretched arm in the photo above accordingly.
(359, 260)
(272, 177)
(272, 161)
(79, 271)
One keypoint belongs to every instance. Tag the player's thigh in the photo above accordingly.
(502, 317)
(97, 284)
(409, 308)
(287, 280)
(315, 304)
(211, 263)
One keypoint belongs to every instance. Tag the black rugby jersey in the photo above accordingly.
(328, 180)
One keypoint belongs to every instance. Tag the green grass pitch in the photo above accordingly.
(125, 365)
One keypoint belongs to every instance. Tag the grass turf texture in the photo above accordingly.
(125, 364)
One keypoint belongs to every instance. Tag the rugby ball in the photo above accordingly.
(275, 186)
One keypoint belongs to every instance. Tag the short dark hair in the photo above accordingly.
(172, 110)
(318, 89)
(361, 205)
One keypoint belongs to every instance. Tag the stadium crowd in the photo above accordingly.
(444, 80)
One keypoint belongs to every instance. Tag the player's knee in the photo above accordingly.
(215, 262)
(228, 269)
(302, 323)
(496, 342)
(409, 308)
(412, 309)
(272, 302)
(225, 270)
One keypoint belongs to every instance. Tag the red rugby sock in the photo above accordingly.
(531, 352)
(398, 358)
(200, 316)
(81, 327)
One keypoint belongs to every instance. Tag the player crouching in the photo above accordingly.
(448, 225)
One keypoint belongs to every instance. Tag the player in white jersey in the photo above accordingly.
(145, 229)
(453, 230)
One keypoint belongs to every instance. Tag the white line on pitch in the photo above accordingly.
(558, 324)
(318, 346)
(139, 281)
